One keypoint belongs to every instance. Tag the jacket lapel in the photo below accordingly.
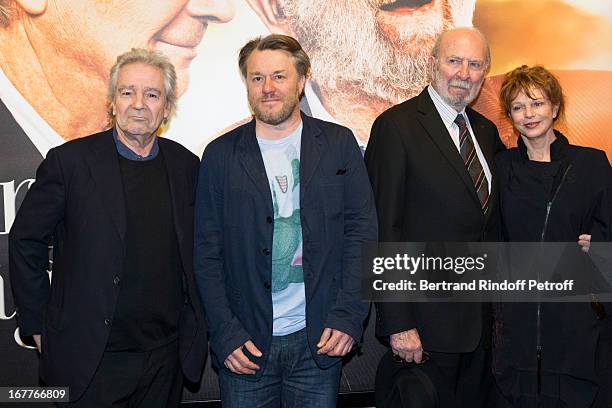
(310, 152)
(252, 161)
(177, 194)
(250, 157)
(433, 124)
(104, 166)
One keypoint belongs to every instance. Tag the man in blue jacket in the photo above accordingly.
(283, 206)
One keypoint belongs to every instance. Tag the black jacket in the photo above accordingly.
(424, 193)
(78, 200)
(575, 343)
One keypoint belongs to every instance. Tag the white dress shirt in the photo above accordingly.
(448, 115)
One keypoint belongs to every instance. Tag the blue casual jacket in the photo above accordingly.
(233, 237)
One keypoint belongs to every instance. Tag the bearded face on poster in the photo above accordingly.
(367, 55)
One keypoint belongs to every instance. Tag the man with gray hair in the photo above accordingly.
(430, 161)
(282, 208)
(54, 61)
(122, 314)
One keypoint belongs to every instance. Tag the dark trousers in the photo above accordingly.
(466, 380)
(136, 379)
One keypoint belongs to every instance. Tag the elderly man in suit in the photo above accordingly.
(122, 315)
(282, 208)
(430, 161)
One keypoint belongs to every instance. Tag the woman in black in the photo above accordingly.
(551, 354)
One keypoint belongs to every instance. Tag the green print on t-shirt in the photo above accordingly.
(286, 249)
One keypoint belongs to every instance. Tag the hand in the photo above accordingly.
(407, 345)
(334, 343)
(239, 363)
(584, 241)
(36, 338)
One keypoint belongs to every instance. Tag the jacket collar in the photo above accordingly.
(252, 160)
(104, 166)
(105, 171)
(435, 129)
(558, 148)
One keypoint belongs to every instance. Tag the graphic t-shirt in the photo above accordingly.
(282, 162)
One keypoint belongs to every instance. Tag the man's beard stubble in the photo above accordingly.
(441, 85)
(349, 53)
(274, 118)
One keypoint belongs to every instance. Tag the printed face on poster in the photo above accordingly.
(367, 55)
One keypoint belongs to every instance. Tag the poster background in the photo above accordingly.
(572, 37)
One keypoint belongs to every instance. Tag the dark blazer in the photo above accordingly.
(424, 193)
(78, 201)
(234, 227)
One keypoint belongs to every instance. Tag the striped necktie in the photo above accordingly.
(472, 163)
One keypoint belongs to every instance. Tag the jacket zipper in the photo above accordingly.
(539, 346)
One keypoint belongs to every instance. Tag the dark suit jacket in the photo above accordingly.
(234, 227)
(424, 193)
(78, 201)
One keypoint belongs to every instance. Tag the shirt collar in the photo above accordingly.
(447, 112)
(290, 138)
(127, 153)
